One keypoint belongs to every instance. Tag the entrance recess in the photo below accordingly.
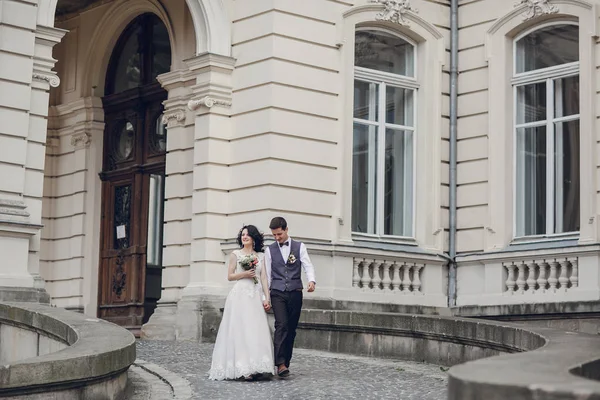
(133, 174)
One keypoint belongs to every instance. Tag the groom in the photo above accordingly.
(284, 260)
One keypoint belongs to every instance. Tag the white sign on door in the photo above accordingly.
(121, 232)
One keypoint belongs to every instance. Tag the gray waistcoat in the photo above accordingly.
(285, 276)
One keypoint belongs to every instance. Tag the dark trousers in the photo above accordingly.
(286, 308)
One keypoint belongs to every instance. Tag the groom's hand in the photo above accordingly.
(266, 305)
(311, 286)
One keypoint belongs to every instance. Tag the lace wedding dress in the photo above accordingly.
(244, 345)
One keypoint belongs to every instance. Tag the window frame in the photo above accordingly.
(548, 76)
(384, 79)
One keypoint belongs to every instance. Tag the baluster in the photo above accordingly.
(406, 279)
(376, 276)
(541, 280)
(575, 273)
(510, 281)
(552, 281)
(531, 277)
(387, 280)
(521, 278)
(563, 279)
(416, 280)
(365, 279)
(396, 279)
(355, 274)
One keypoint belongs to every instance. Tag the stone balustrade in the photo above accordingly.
(388, 276)
(541, 275)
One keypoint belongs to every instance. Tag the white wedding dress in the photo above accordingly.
(244, 345)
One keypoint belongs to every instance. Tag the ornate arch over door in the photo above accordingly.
(133, 174)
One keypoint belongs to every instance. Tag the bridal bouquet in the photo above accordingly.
(250, 262)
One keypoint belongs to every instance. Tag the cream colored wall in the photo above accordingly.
(72, 196)
(282, 148)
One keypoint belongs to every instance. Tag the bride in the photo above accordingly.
(244, 347)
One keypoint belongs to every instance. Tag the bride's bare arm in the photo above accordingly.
(232, 276)
(265, 284)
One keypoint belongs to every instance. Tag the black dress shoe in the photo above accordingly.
(283, 373)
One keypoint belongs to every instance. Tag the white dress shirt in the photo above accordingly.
(307, 265)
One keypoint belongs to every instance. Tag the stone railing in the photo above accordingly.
(387, 276)
(546, 364)
(541, 275)
(523, 274)
(51, 353)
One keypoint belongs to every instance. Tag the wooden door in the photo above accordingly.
(132, 179)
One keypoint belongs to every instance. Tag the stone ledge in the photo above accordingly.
(96, 360)
(549, 363)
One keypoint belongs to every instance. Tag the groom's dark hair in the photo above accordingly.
(278, 222)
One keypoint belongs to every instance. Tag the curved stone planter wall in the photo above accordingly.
(550, 364)
(51, 353)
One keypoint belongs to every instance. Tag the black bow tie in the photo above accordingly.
(284, 244)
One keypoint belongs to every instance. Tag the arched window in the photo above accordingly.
(385, 90)
(142, 53)
(546, 86)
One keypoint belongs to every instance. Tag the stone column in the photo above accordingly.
(198, 312)
(25, 79)
(178, 203)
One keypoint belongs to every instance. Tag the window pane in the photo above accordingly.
(531, 103)
(161, 48)
(531, 181)
(547, 47)
(365, 100)
(398, 182)
(383, 52)
(128, 73)
(566, 96)
(155, 220)
(399, 106)
(566, 158)
(364, 168)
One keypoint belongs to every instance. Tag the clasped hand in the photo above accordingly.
(251, 273)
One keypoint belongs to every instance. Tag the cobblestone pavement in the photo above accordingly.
(314, 375)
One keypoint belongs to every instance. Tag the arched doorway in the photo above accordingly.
(133, 174)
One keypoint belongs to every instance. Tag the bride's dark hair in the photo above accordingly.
(256, 236)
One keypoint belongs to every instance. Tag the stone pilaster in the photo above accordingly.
(178, 203)
(25, 79)
(198, 311)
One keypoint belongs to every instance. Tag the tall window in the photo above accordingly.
(546, 85)
(385, 92)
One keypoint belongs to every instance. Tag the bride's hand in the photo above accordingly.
(266, 305)
(251, 273)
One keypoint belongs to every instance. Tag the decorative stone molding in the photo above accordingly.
(174, 118)
(536, 8)
(208, 102)
(80, 140)
(13, 211)
(394, 11)
(52, 80)
(52, 142)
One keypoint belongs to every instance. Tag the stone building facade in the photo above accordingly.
(138, 136)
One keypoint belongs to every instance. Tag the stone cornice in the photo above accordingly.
(84, 104)
(177, 78)
(210, 60)
(49, 34)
